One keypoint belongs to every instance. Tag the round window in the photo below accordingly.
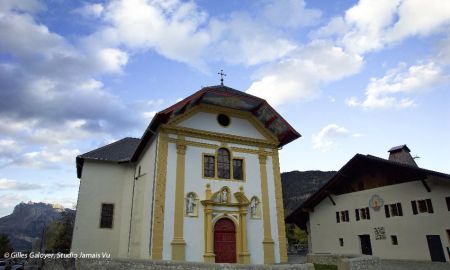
(223, 120)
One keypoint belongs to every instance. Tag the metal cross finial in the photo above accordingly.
(221, 76)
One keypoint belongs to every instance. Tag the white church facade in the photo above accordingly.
(202, 184)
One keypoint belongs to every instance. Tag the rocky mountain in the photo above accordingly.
(298, 186)
(28, 221)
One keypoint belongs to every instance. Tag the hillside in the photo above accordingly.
(27, 222)
(298, 186)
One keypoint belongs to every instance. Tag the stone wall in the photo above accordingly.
(346, 261)
(122, 264)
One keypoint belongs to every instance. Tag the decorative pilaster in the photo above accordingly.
(279, 207)
(160, 191)
(178, 243)
(268, 244)
(244, 255)
(209, 256)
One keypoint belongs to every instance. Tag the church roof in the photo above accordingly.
(119, 151)
(130, 149)
(357, 166)
(224, 96)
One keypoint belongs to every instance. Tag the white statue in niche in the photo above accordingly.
(190, 204)
(254, 204)
(224, 195)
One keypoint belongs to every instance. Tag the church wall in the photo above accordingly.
(169, 206)
(410, 229)
(142, 208)
(103, 182)
(208, 121)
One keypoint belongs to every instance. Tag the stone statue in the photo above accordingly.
(253, 207)
(190, 203)
(224, 195)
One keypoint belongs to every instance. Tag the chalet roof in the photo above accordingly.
(130, 149)
(359, 165)
(119, 151)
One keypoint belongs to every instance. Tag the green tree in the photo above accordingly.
(5, 245)
(58, 235)
(295, 235)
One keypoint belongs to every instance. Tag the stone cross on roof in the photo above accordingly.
(221, 76)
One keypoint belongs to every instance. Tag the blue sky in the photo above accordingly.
(350, 76)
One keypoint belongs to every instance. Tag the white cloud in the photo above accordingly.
(327, 137)
(298, 75)
(9, 184)
(418, 17)
(242, 39)
(8, 201)
(291, 13)
(90, 10)
(371, 25)
(387, 92)
(46, 158)
(112, 59)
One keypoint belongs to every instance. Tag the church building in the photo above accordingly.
(202, 184)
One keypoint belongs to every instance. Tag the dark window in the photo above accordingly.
(209, 166)
(414, 207)
(223, 120)
(223, 163)
(341, 242)
(386, 210)
(357, 214)
(238, 169)
(447, 199)
(394, 240)
(343, 216)
(422, 206)
(363, 213)
(393, 210)
(429, 206)
(106, 219)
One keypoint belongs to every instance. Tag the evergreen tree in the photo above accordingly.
(5, 245)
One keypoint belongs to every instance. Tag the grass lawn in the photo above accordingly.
(325, 267)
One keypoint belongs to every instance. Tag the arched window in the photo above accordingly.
(223, 163)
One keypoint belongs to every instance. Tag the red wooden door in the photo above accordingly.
(225, 241)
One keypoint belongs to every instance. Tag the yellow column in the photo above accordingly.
(178, 243)
(279, 207)
(160, 191)
(244, 255)
(268, 244)
(209, 256)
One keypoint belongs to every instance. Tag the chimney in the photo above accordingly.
(401, 154)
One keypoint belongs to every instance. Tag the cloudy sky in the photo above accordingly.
(350, 76)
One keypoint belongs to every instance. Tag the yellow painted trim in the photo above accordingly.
(221, 137)
(279, 207)
(216, 146)
(268, 243)
(160, 191)
(178, 243)
(214, 109)
(242, 254)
